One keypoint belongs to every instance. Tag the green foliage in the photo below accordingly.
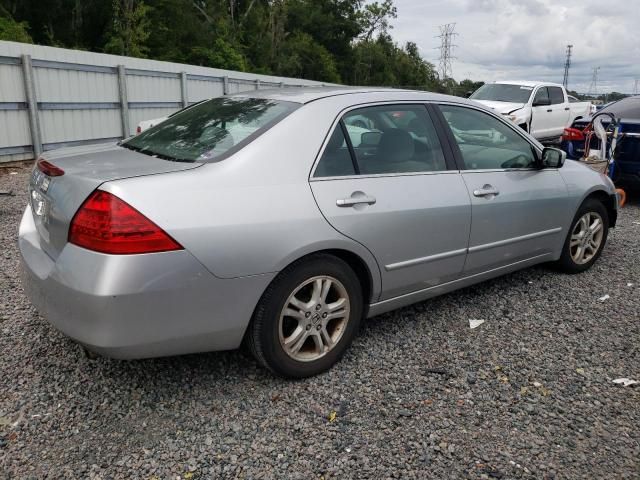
(130, 29)
(14, 31)
(221, 55)
(337, 41)
(301, 56)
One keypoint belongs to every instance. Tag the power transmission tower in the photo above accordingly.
(593, 88)
(567, 65)
(447, 33)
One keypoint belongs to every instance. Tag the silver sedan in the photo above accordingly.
(281, 219)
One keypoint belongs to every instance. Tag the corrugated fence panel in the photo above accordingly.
(201, 90)
(69, 125)
(136, 115)
(76, 94)
(153, 89)
(14, 128)
(11, 84)
(56, 85)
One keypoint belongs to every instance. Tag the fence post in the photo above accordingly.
(225, 85)
(257, 84)
(124, 102)
(183, 89)
(32, 102)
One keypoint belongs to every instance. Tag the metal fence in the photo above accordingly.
(52, 97)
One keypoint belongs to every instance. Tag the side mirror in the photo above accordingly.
(553, 158)
(541, 102)
(468, 94)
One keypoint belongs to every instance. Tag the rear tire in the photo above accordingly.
(586, 237)
(307, 317)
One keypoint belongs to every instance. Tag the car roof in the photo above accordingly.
(310, 94)
(527, 83)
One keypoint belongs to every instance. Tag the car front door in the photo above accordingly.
(541, 112)
(518, 209)
(390, 186)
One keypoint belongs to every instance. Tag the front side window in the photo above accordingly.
(385, 139)
(211, 130)
(485, 142)
(556, 95)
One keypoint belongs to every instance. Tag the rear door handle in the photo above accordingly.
(550, 110)
(567, 108)
(356, 198)
(486, 191)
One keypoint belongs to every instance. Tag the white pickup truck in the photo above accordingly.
(542, 109)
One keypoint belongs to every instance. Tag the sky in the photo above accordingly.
(527, 39)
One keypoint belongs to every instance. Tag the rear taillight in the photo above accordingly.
(571, 134)
(104, 223)
(49, 169)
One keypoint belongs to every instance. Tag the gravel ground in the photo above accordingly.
(528, 394)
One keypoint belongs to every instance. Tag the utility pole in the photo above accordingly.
(593, 88)
(447, 33)
(567, 65)
(635, 87)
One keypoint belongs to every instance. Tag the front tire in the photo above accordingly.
(307, 317)
(586, 238)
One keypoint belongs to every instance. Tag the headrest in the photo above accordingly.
(396, 146)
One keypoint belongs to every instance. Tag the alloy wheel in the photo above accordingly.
(586, 238)
(314, 318)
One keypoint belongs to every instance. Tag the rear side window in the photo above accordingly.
(556, 95)
(542, 97)
(336, 160)
(384, 139)
(212, 130)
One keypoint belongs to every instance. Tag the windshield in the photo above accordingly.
(212, 130)
(502, 92)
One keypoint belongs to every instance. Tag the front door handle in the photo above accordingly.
(486, 191)
(356, 198)
(550, 110)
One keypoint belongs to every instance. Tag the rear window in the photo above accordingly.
(212, 130)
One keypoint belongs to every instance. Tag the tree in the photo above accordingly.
(14, 31)
(374, 17)
(130, 29)
(303, 57)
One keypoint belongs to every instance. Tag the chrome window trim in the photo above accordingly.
(358, 106)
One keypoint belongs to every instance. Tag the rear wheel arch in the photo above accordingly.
(354, 261)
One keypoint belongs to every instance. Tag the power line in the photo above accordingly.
(567, 65)
(447, 33)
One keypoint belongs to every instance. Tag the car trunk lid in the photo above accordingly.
(55, 199)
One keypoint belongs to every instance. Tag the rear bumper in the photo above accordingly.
(137, 306)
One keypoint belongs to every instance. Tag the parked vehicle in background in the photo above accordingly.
(256, 217)
(147, 124)
(542, 109)
(627, 151)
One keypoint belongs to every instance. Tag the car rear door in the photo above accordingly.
(560, 111)
(395, 190)
(518, 210)
(541, 111)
